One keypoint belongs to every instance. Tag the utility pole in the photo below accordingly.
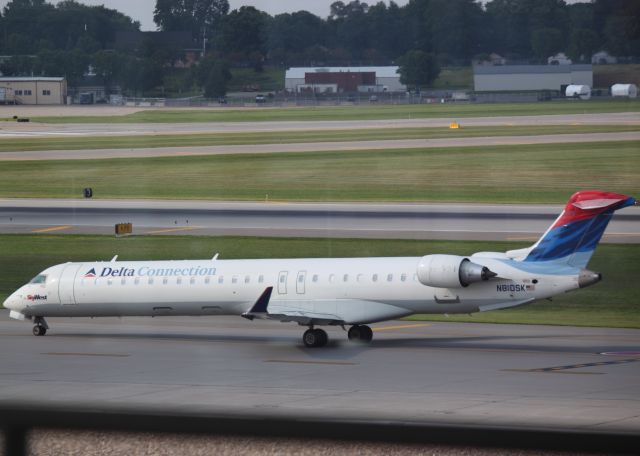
(204, 42)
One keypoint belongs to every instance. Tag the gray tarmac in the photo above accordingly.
(493, 375)
(338, 146)
(35, 129)
(385, 221)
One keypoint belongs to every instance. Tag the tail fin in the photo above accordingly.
(574, 235)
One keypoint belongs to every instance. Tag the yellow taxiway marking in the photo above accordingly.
(53, 228)
(385, 328)
(173, 230)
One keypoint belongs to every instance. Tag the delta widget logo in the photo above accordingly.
(91, 273)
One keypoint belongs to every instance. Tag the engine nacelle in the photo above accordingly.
(451, 271)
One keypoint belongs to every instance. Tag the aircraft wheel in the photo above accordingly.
(39, 330)
(354, 333)
(315, 338)
(366, 334)
(360, 333)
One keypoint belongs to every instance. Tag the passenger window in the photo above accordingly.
(165, 281)
(260, 278)
(179, 280)
(207, 280)
(360, 278)
(390, 278)
(110, 282)
(315, 277)
(150, 280)
(282, 278)
(123, 281)
(375, 277)
(137, 281)
(332, 278)
(221, 279)
(234, 279)
(247, 279)
(403, 277)
(345, 278)
(192, 280)
(300, 278)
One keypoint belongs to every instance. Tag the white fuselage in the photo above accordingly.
(346, 290)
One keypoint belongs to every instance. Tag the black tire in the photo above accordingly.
(366, 334)
(354, 333)
(310, 338)
(313, 338)
(39, 330)
(322, 337)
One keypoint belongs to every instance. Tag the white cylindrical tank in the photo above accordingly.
(578, 91)
(624, 90)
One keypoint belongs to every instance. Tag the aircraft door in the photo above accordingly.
(66, 284)
(300, 282)
(282, 282)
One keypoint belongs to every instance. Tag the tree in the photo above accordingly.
(454, 27)
(546, 42)
(198, 16)
(418, 68)
(244, 32)
(216, 83)
(582, 44)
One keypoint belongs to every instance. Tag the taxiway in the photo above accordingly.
(386, 221)
(493, 375)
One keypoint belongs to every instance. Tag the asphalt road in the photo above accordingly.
(34, 129)
(93, 154)
(538, 376)
(386, 221)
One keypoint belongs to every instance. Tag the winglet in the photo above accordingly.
(259, 309)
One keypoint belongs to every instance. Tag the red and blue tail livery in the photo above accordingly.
(574, 236)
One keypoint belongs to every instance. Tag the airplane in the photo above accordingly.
(316, 292)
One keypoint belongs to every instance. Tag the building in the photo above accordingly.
(343, 79)
(35, 90)
(530, 77)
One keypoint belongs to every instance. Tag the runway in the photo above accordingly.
(539, 376)
(385, 221)
(35, 130)
(337, 146)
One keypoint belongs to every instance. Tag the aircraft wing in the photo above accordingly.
(334, 312)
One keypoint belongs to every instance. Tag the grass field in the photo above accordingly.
(186, 140)
(448, 110)
(546, 173)
(613, 302)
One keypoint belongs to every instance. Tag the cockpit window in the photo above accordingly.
(40, 278)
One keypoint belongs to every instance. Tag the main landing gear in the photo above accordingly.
(318, 338)
(315, 337)
(40, 327)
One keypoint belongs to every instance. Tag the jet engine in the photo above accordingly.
(451, 271)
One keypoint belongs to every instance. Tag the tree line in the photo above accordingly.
(43, 39)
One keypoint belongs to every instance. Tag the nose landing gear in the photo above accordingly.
(40, 327)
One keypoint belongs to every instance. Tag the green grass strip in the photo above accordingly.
(612, 303)
(546, 173)
(360, 112)
(285, 137)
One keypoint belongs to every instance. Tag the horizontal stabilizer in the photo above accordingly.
(259, 309)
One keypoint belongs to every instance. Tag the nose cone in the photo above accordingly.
(12, 303)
